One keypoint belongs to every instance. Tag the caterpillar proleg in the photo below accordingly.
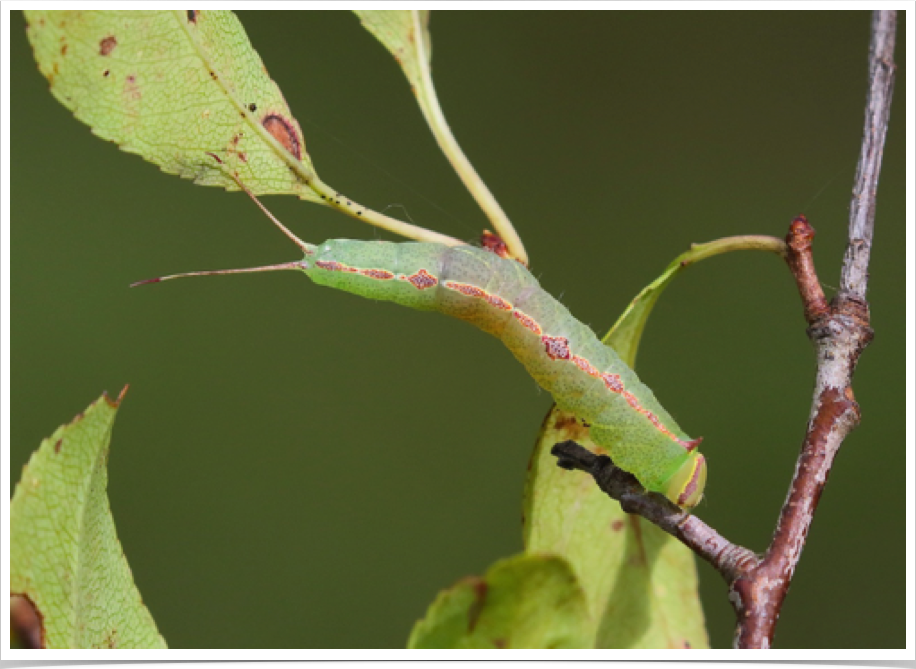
(501, 297)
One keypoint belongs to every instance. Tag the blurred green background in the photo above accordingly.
(298, 467)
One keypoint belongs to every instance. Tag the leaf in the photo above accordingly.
(640, 583)
(625, 334)
(65, 558)
(526, 601)
(174, 86)
(405, 33)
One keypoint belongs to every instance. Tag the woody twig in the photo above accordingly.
(840, 331)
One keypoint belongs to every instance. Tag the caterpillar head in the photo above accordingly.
(685, 487)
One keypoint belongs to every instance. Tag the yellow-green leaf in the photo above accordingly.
(65, 558)
(405, 33)
(640, 583)
(526, 601)
(174, 86)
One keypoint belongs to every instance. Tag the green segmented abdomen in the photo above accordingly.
(500, 296)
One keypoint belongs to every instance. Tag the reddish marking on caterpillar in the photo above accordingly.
(498, 302)
(690, 445)
(422, 280)
(527, 321)
(585, 366)
(557, 348)
(657, 423)
(691, 486)
(473, 291)
(467, 289)
(612, 382)
(632, 401)
(332, 265)
(380, 274)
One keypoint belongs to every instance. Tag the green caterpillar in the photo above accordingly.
(500, 296)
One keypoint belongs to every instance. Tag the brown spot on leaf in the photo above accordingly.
(252, 107)
(500, 643)
(107, 45)
(192, 16)
(58, 445)
(476, 608)
(617, 525)
(111, 639)
(571, 428)
(132, 92)
(63, 50)
(283, 131)
(243, 156)
(106, 73)
(26, 622)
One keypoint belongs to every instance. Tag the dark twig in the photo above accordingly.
(840, 331)
(729, 559)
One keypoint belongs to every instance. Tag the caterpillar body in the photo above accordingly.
(502, 297)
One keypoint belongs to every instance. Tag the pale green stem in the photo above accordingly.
(429, 104)
(626, 333)
(699, 252)
(352, 208)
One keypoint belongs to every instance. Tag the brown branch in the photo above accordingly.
(840, 331)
